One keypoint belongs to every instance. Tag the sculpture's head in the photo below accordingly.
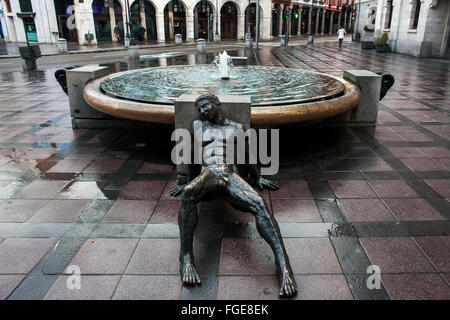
(209, 107)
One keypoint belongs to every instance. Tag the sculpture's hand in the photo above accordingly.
(266, 183)
(177, 190)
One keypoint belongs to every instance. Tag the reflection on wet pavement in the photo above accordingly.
(350, 197)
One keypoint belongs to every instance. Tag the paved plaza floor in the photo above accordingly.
(96, 200)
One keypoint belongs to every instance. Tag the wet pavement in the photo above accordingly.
(350, 198)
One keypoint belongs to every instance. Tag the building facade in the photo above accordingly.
(415, 27)
(107, 20)
(365, 15)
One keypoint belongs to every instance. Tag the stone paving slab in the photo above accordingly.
(349, 197)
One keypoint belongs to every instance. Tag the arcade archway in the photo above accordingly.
(203, 14)
(142, 12)
(107, 14)
(175, 20)
(228, 21)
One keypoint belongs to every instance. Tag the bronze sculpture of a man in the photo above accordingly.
(217, 177)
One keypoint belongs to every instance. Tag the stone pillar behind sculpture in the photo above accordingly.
(234, 107)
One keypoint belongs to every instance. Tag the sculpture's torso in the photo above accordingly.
(213, 139)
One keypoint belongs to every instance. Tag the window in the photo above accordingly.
(389, 9)
(25, 6)
(415, 12)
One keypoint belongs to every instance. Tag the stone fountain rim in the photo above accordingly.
(260, 116)
(262, 104)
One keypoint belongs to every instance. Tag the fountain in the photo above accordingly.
(224, 62)
(278, 95)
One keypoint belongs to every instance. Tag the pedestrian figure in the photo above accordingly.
(341, 34)
(117, 32)
(141, 33)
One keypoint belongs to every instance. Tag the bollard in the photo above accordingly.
(178, 39)
(201, 45)
(248, 40)
(133, 57)
(283, 41)
(62, 45)
(29, 54)
(310, 39)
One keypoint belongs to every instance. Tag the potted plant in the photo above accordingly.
(368, 28)
(381, 44)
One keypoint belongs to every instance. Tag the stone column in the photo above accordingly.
(241, 27)
(170, 11)
(160, 33)
(322, 28)
(142, 16)
(190, 27)
(331, 22)
(112, 20)
(280, 26)
(299, 29)
(195, 23)
(317, 21)
(309, 20)
(345, 19)
(339, 20)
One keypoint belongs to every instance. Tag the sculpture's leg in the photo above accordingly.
(187, 221)
(243, 197)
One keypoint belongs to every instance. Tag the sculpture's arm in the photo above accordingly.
(255, 173)
(193, 171)
(260, 181)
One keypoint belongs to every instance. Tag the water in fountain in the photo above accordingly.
(224, 62)
(265, 85)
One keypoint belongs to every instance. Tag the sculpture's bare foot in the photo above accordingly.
(189, 275)
(288, 287)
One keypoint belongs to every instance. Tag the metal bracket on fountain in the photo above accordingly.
(224, 62)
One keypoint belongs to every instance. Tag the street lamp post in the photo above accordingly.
(127, 23)
(257, 24)
(310, 37)
(248, 35)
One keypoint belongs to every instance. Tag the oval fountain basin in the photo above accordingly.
(265, 85)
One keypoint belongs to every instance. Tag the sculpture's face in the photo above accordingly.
(208, 110)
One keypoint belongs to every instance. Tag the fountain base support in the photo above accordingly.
(76, 81)
(370, 85)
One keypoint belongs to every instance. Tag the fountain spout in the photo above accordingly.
(224, 62)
